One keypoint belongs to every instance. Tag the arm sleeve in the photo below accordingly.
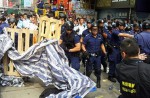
(62, 36)
(76, 39)
(116, 32)
(85, 40)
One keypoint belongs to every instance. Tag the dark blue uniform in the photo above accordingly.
(103, 59)
(92, 46)
(4, 24)
(63, 29)
(143, 40)
(69, 42)
(85, 32)
(132, 32)
(115, 57)
(40, 6)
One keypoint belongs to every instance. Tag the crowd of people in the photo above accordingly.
(101, 42)
(114, 44)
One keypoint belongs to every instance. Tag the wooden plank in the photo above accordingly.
(27, 39)
(20, 42)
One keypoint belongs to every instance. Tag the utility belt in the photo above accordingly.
(95, 54)
(75, 54)
(115, 46)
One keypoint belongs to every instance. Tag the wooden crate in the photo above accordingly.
(49, 28)
(23, 43)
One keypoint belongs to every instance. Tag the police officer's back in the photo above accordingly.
(132, 73)
(143, 40)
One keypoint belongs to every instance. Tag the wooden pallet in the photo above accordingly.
(49, 28)
(23, 44)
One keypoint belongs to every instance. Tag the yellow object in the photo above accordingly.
(57, 13)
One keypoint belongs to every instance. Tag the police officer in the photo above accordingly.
(70, 42)
(136, 29)
(85, 33)
(40, 6)
(62, 17)
(92, 47)
(3, 24)
(88, 30)
(143, 40)
(132, 73)
(102, 31)
(114, 57)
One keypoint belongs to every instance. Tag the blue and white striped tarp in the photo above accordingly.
(47, 61)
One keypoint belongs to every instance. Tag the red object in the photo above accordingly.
(54, 2)
(65, 3)
(10, 4)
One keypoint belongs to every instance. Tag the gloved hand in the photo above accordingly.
(86, 54)
(105, 56)
(66, 49)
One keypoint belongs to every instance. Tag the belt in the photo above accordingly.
(94, 54)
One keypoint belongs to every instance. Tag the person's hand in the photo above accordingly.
(105, 56)
(142, 56)
(66, 49)
(86, 54)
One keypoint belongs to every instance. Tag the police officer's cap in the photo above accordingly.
(146, 24)
(94, 24)
(120, 23)
(12, 20)
(69, 25)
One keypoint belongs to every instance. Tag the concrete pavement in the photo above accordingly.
(34, 88)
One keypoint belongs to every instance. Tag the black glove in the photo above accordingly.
(86, 54)
(105, 56)
(66, 49)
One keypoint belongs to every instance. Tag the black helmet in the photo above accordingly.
(2, 18)
(62, 15)
(100, 21)
(146, 25)
(89, 21)
(110, 27)
(12, 20)
(136, 25)
(128, 28)
(69, 25)
(94, 24)
(120, 23)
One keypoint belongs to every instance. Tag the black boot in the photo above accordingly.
(110, 78)
(88, 73)
(98, 84)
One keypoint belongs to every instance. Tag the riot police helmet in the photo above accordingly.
(120, 23)
(2, 18)
(94, 24)
(62, 15)
(128, 28)
(69, 26)
(136, 25)
(89, 21)
(100, 21)
(146, 25)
